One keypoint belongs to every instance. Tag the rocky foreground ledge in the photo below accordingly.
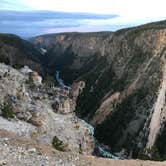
(36, 109)
(15, 150)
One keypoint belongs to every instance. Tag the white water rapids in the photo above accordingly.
(60, 81)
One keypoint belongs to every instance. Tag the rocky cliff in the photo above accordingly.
(37, 128)
(17, 52)
(124, 77)
(33, 109)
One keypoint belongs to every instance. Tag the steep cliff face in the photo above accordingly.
(124, 75)
(74, 54)
(18, 52)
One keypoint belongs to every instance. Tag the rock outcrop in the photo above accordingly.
(159, 112)
(17, 52)
(26, 110)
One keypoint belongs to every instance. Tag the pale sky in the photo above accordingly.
(130, 12)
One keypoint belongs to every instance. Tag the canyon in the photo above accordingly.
(123, 73)
(115, 81)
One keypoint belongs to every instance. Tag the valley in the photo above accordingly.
(85, 96)
(27, 130)
(122, 73)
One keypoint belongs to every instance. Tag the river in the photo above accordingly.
(61, 82)
(102, 149)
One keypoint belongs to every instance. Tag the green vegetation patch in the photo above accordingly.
(7, 111)
(58, 144)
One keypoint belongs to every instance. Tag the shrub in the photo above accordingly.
(18, 66)
(58, 144)
(7, 110)
(161, 142)
(30, 82)
(154, 153)
(49, 81)
(143, 156)
(150, 154)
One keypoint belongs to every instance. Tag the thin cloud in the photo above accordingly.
(28, 23)
(30, 18)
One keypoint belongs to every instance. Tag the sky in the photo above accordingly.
(34, 17)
